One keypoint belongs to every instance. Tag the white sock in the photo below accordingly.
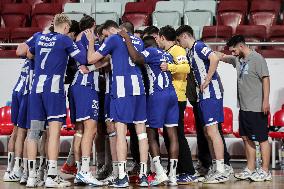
(158, 167)
(52, 168)
(41, 163)
(121, 169)
(71, 159)
(100, 159)
(25, 164)
(32, 168)
(173, 167)
(143, 169)
(115, 168)
(78, 166)
(11, 156)
(85, 164)
(214, 164)
(18, 163)
(152, 165)
(220, 165)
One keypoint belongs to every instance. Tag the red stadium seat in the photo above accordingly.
(6, 125)
(16, 15)
(232, 13)
(189, 121)
(138, 13)
(4, 36)
(63, 2)
(227, 125)
(252, 33)
(8, 54)
(33, 2)
(43, 14)
(216, 34)
(271, 53)
(19, 35)
(277, 35)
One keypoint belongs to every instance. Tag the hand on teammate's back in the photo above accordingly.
(83, 69)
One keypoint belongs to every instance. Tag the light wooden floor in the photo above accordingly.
(276, 183)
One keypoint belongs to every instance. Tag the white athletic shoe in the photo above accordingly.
(57, 182)
(109, 180)
(15, 176)
(34, 182)
(260, 175)
(210, 172)
(6, 176)
(78, 182)
(245, 174)
(228, 170)
(215, 178)
(103, 172)
(24, 178)
(88, 178)
(159, 179)
(172, 181)
(200, 170)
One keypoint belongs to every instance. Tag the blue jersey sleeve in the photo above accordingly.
(83, 50)
(31, 41)
(147, 54)
(202, 50)
(74, 51)
(108, 46)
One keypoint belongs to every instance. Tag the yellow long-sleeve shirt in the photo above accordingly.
(179, 70)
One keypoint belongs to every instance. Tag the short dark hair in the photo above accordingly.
(86, 22)
(141, 32)
(128, 26)
(184, 29)
(149, 41)
(151, 30)
(74, 27)
(236, 40)
(99, 30)
(109, 23)
(168, 32)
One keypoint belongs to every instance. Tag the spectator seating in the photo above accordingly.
(43, 14)
(232, 13)
(138, 13)
(168, 13)
(216, 34)
(32, 3)
(189, 121)
(8, 54)
(123, 3)
(227, 125)
(75, 11)
(19, 35)
(276, 34)
(271, 53)
(106, 11)
(252, 33)
(16, 15)
(6, 125)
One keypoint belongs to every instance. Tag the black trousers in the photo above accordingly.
(185, 164)
(202, 144)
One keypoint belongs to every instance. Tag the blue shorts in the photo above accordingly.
(130, 109)
(107, 107)
(84, 103)
(211, 111)
(162, 109)
(47, 106)
(19, 110)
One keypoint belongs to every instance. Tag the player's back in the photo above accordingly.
(158, 79)
(51, 56)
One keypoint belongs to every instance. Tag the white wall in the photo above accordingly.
(10, 69)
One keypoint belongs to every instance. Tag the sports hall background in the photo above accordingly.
(260, 21)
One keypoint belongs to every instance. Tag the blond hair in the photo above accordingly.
(60, 19)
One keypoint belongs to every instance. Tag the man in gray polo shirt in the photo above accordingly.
(253, 99)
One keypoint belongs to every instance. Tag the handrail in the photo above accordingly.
(208, 43)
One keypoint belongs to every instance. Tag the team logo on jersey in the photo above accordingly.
(181, 59)
(145, 53)
(205, 51)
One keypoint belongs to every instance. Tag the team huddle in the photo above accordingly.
(143, 90)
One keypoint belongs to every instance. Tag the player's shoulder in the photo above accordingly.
(177, 51)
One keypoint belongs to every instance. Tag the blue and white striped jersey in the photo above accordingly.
(126, 76)
(51, 56)
(92, 78)
(158, 80)
(200, 63)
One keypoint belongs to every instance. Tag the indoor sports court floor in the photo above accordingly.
(276, 183)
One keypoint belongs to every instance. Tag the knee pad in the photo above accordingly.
(78, 134)
(142, 136)
(112, 134)
(36, 130)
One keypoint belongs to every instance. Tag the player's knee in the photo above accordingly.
(79, 133)
(142, 136)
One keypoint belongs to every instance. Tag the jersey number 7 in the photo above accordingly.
(46, 51)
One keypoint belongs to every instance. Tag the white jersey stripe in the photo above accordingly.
(120, 86)
(135, 84)
(74, 53)
(55, 83)
(96, 80)
(20, 84)
(40, 84)
(216, 88)
(161, 81)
